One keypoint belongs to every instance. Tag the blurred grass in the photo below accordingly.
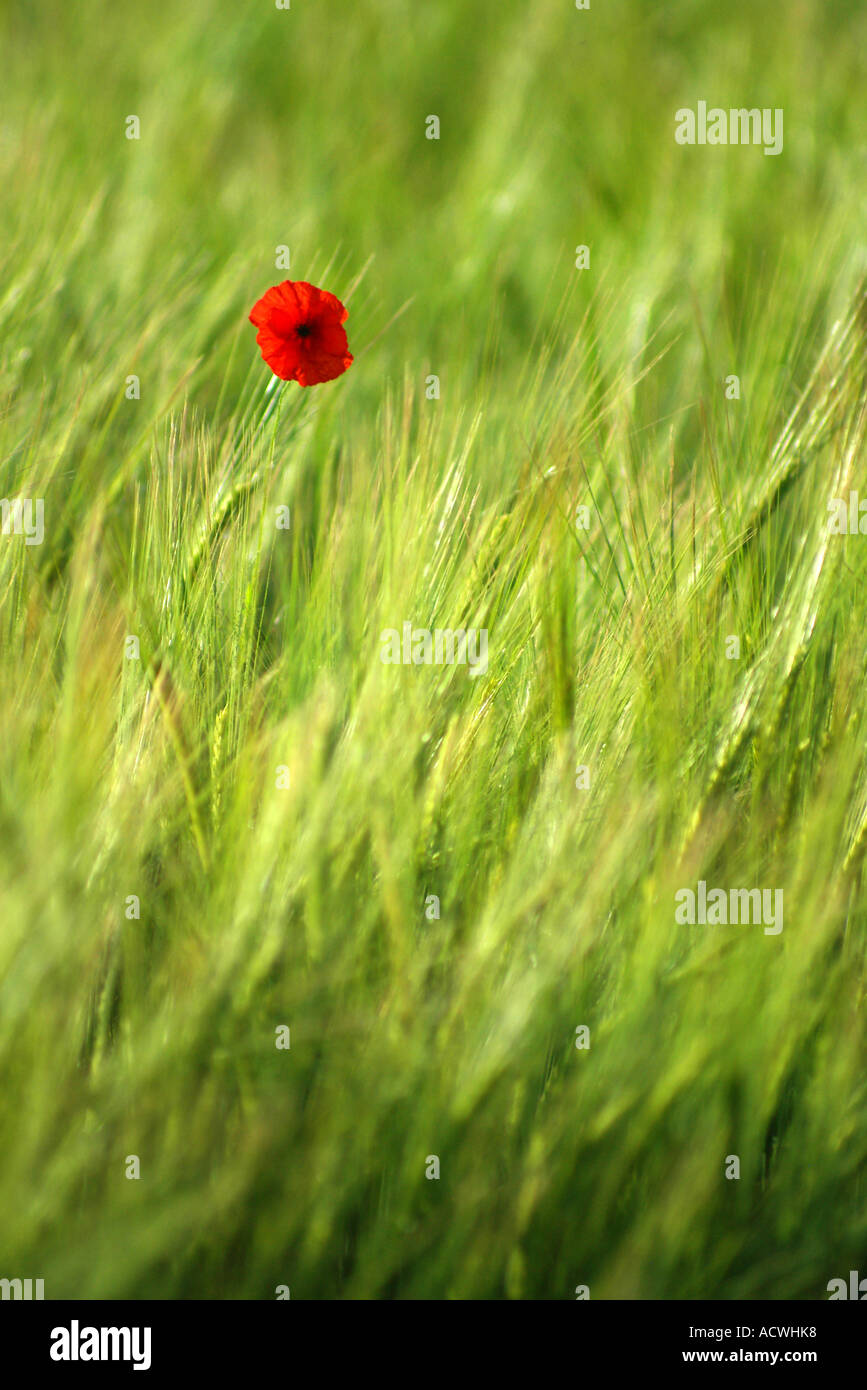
(305, 906)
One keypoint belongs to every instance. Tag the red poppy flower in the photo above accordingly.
(301, 334)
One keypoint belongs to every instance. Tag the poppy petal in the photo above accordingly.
(300, 332)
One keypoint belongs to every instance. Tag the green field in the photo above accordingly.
(244, 821)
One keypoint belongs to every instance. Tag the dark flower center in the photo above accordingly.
(304, 330)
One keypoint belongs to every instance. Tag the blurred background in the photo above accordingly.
(165, 907)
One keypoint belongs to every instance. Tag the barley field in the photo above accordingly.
(369, 978)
